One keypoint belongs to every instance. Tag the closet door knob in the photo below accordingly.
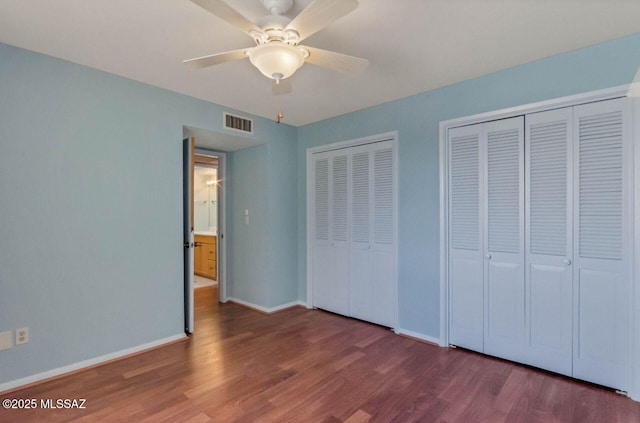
(488, 256)
(567, 262)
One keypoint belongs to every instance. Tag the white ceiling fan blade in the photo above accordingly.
(228, 14)
(319, 14)
(284, 87)
(336, 61)
(216, 59)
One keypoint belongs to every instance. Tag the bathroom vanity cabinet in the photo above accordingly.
(205, 256)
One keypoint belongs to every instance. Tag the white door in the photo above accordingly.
(331, 263)
(188, 146)
(504, 295)
(466, 260)
(372, 241)
(549, 215)
(601, 224)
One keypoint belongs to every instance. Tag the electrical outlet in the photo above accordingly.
(5, 340)
(22, 336)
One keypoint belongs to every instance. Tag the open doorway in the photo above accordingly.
(204, 223)
(206, 187)
(214, 144)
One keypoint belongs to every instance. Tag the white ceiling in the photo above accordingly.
(413, 45)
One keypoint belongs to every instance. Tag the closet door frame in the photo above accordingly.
(628, 90)
(310, 204)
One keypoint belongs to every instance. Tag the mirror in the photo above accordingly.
(205, 198)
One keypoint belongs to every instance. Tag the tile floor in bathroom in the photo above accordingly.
(200, 282)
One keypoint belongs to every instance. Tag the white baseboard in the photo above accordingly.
(267, 310)
(418, 335)
(11, 385)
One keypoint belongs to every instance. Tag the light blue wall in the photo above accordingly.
(90, 209)
(248, 253)
(263, 254)
(416, 119)
(283, 225)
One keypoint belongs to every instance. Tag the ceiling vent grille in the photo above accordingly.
(237, 123)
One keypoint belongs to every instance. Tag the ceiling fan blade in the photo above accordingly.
(319, 14)
(336, 61)
(284, 87)
(228, 14)
(216, 59)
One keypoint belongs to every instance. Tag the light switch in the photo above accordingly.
(6, 340)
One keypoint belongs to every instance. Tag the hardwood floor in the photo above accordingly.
(303, 365)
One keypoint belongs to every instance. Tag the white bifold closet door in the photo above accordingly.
(601, 224)
(466, 256)
(539, 240)
(354, 269)
(372, 291)
(330, 261)
(549, 213)
(486, 215)
(504, 325)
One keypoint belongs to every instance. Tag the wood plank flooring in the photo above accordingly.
(303, 365)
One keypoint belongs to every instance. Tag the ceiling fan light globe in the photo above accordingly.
(276, 59)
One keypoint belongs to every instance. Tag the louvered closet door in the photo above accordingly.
(466, 261)
(549, 213)
(361, 296)
(331, 263)
(372, 270)
(504, 324)
(601, 287)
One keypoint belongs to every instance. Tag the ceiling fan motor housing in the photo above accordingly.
(278, 7)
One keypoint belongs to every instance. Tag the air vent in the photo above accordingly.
(237, 123)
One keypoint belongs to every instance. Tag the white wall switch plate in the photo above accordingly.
(22, 336)
(5, 340)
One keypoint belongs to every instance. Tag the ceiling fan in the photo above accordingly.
(277, 53)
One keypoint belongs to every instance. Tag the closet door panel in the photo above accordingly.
(549, 210)
(372, 233)
(331, 264)
(384, 301)
(466, 262)
(339, 232)
(360, 293)
(504, 325)
(601, 287)
(322, 252)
